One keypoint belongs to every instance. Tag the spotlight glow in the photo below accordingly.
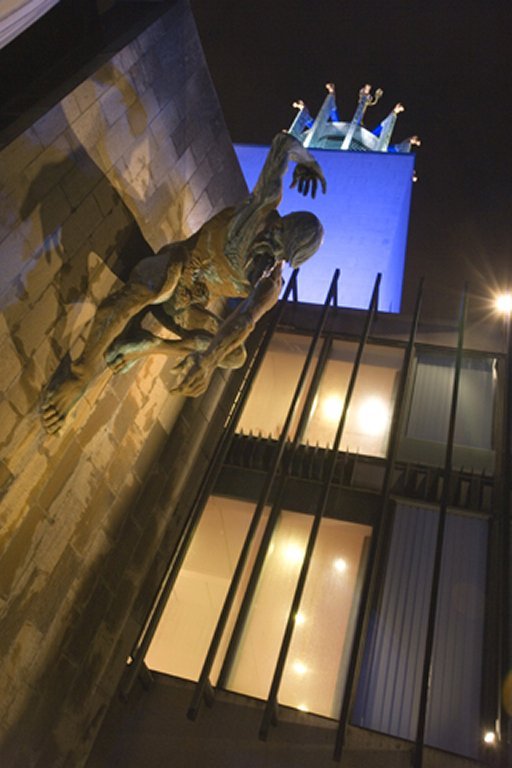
(503, 303)
(299, 668)
(490, 737)
(293, 553)
(332, 405)
(373, 416)
(340, 565)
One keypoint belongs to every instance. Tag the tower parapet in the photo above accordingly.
(327, 131)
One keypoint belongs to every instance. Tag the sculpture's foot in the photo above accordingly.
(62, 392)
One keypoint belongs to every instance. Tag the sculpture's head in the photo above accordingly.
(302, 235)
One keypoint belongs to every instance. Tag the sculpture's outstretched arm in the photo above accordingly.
(197, 368)
(267, 193)
(269, 187)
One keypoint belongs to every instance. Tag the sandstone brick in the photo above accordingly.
(201, 212)
(10, 363)
(90, 127)
(88, 93)
(43, 270)
(200, 178)
(93, 432)
(35, 324)
(8, 420)
(9, 210)
(164, 123)
(70, 107)
(116, 142)
(91, 542)
(18, 155)
(139, 75)
(117, 99)
(6, 478)
(13, 251)
(26, 462)
(82, 223)
(62, 470)
(126, 58)
(45, 361)
(120, 607)
(56, 590)
(118, 562)
(86, 629)
(51, 125)
(80, 179)
(106, 195)
(126, 497)
(46, 170)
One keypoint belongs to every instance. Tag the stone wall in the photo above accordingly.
(134, 157)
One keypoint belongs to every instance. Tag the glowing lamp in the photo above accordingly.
(503, 303)
(340, 565)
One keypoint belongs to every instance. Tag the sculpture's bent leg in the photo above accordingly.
(153, 280)
(127, 350)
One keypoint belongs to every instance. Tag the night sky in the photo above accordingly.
(449, 63)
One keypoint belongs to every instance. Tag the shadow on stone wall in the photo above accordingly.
(89, 239)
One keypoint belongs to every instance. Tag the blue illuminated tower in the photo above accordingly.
(365, 212)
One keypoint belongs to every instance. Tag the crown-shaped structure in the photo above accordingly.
(326, 131)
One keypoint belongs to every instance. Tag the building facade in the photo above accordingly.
(347, 558)
(319, 543)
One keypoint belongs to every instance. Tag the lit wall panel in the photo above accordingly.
(365, 214)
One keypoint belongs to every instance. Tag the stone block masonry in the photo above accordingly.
(135, 156)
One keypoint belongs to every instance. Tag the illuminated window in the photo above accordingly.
(369, 416)
(314, 675)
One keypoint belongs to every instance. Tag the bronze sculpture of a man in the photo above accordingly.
(237, 253)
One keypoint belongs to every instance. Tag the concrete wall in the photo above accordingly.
(134, 157)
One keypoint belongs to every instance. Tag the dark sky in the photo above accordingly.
(448, 61)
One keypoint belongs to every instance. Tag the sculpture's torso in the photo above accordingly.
(217, 266)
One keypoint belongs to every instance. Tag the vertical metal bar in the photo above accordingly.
(436, 574)
(203, 684)
(376, 556)
(273, 517)
(312, 391)
(504, 668)
(208, 481)
(270, 712)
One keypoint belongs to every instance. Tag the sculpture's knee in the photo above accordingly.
(234, 359)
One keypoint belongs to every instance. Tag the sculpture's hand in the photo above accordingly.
(307, 177)
(193, 376)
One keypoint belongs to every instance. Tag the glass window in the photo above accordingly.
(314, 673)
(273, 389)
(369, 417)
(181, 641)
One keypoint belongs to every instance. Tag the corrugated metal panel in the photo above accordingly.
(454, 706)
(389, 687)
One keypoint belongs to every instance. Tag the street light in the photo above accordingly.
(503, 303)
